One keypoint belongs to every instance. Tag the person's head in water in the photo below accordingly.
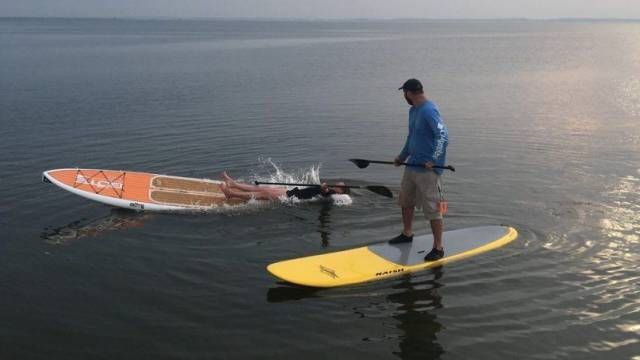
(413, 91)
(340, 189)
(336, 189)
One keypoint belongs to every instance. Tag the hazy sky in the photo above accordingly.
(325, 8)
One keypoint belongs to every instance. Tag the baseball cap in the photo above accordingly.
(411, 85)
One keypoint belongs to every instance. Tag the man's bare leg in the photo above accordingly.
(263, 194)
(407, 232)
(407, 220)
(247, 187)
(437, 228)
(234, 184)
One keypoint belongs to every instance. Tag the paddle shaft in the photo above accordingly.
(378, 189)
(406, 164)
(297, 184)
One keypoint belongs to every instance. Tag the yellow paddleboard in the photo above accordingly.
(384, 260)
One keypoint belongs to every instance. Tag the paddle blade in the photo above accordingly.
(361, 163)
(380, 190)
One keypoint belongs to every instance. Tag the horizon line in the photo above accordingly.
(328, 19)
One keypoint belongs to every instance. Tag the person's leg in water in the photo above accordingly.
(232, 183)
(250, 192)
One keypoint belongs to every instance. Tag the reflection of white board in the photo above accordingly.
(384, 260)
(140, 191)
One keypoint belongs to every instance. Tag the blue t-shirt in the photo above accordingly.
(428, 138)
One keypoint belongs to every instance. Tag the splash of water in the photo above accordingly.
(276, 173)
(270, 171)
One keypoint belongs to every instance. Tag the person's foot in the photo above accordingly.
(225, 190)
(226, 178)
(402, 238)
(434, 255)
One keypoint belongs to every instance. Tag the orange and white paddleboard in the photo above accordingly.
(139, 190)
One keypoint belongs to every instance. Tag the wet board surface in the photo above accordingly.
(383, 260)
(140, 190)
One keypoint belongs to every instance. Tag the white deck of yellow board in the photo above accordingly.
(361, 265)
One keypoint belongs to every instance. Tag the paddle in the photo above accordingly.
(378, 189)
(362, 163)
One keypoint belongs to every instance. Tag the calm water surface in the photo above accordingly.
(544, 126)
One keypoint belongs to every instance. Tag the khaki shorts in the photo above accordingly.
(421, 190)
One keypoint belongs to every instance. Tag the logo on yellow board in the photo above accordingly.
(330, 272)
(389, 272)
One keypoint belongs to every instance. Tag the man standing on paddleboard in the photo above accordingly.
(421, 186)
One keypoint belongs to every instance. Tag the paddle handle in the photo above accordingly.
(448, 167)
(297, 184)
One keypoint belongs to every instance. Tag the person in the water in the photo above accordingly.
(233, 189)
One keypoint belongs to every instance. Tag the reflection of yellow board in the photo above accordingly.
(384, 260)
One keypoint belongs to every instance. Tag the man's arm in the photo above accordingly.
(404, 153)
(439, 133)
(440, 139)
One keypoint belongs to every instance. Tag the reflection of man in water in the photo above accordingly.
(416, 319)
(324, 228)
